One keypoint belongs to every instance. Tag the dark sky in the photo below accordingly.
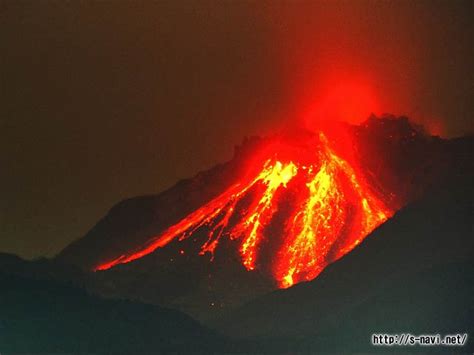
(100, 101)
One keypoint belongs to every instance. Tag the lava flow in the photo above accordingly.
(325, 202)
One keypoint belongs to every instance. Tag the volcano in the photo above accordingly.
(280, 211)
(329, 208)
(283, 209)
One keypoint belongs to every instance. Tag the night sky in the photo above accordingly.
(100, 101)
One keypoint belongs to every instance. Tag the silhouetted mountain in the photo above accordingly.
(44, 269)
(38, 316)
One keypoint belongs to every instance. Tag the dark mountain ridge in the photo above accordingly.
(38, 315)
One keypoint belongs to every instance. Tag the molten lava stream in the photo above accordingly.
(338, 210)
(334, 210)
(273, 176)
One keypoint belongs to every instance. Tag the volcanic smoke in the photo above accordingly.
(329, 208)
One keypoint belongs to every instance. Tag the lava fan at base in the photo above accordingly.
(322, 201)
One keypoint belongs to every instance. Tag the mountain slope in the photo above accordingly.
(132, 221)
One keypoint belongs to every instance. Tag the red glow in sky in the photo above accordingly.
(343, 100)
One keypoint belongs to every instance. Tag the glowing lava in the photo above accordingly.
(339, 210)
(329, 209)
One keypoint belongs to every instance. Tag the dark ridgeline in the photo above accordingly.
(45, 316)
(413, 274)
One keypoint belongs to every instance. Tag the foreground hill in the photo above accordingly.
(41, 316)
(415, 274)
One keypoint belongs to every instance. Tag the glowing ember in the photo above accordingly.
(332, 208)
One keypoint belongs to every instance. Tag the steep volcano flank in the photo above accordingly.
(333, 208)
